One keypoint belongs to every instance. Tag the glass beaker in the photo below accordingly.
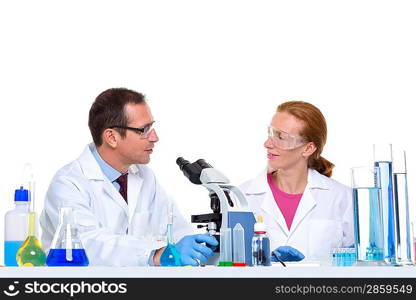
(404, 235)
(368, 216)
(66, 248)
(383, 157)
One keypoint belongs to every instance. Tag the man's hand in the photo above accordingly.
(192, 250)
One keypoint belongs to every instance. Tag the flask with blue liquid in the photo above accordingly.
(66, 248)
(170, 256)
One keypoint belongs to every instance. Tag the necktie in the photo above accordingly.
(122, 181)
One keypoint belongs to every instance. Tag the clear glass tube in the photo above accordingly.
(368, 216)
(403, 233)
(383, 157)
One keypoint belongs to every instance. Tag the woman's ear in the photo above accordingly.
(309, 150)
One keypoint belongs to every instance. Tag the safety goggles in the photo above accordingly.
(143, 132)
(284, 140)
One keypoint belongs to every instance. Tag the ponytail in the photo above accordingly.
(321, 165)
(314, 130)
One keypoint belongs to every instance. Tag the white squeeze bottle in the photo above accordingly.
(16, 226)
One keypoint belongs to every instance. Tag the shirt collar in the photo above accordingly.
(260, 185)
(109, 172)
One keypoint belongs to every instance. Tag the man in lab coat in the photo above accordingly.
(120, 209)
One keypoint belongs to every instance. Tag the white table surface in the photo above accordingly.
(276, 271)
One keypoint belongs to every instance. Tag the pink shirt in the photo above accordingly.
(287, 203)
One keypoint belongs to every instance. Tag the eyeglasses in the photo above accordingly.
(284, 140)
(144, 132)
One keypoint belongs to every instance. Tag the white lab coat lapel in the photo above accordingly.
(269, 206)
(134, 186)
(307, 202)
(260, 186)
(93, 172)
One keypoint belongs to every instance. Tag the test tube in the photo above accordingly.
(383, 157)
(226, 259)
(334, 257)
(404, 242)
(239, 249)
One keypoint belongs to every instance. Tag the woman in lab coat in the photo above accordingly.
(306, 212)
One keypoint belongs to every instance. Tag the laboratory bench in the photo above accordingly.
(294, 270)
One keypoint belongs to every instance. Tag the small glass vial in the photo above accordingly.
(260, 244)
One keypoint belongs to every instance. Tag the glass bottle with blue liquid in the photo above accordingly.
(170, 256)
(66, 248)
(261, 254)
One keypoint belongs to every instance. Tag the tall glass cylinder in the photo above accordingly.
(368, 216)
(384, 180)
(404, 235)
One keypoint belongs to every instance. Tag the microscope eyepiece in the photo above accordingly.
(181, 162)
(191, 171)
(203, 164)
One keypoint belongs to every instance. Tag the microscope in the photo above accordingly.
(228, 204)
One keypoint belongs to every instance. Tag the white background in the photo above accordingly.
(213, 73)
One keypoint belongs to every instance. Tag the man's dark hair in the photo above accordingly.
(108, 110)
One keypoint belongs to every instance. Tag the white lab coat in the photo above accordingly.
(323, 219)
(112, 232)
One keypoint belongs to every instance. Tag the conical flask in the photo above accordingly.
(31, 253)
(66, 248)
(170, 256)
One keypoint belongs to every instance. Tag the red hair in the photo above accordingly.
(314, 130)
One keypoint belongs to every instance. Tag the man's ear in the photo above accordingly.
(110, 137)
(309, 150)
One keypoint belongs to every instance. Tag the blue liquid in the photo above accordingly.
(170, 257)
(57, 258)
(10, 251)
(261, 250)
(384, 180)
(343, 258)
(368, 224)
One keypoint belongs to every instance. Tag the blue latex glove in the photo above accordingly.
(192, 250)
(287, 253)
